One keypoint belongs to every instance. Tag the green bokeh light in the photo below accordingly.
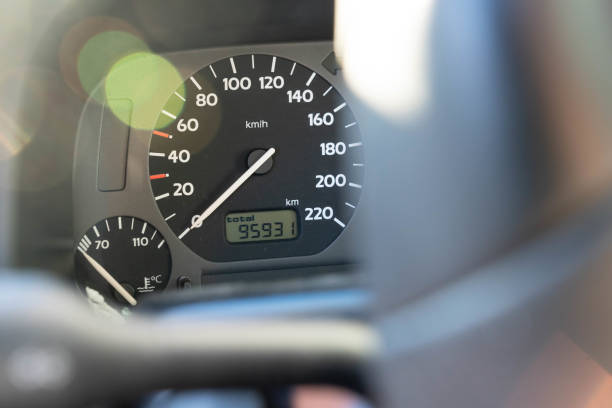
(147, 80)
(101, 52)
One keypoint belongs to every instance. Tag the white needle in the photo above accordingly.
(109, 278)
(225, 195)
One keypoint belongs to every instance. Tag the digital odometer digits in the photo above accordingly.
(246, 134)
(261, 226)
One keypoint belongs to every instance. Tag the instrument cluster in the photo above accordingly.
(253, 162)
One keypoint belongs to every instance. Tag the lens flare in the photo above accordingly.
(24, 101)
(146, 80)
(38, 123)
(101, 52)
(75, 39)
(12, 137)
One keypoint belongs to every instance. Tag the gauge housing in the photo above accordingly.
(131, 251)
(136, 198)
(206, 134)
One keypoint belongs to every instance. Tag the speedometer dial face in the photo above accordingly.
(262, 159)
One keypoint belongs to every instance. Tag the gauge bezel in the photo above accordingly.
(110, 229)
(281, 182)
(91, 205)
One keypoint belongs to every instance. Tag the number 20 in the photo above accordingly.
(182, 189)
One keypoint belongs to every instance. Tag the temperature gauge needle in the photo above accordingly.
(109, 278)
(231, 189)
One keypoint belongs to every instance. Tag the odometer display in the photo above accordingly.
(261, 226)
(248, 134)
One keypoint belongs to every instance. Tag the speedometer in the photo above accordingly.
(262, 158)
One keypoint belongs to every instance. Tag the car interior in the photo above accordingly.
(306, 204)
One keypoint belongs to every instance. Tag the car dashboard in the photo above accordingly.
(386, 203)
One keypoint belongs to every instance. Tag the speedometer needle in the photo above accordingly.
(231, 189)
(109, 278)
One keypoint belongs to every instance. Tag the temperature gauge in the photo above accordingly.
(123, 258)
